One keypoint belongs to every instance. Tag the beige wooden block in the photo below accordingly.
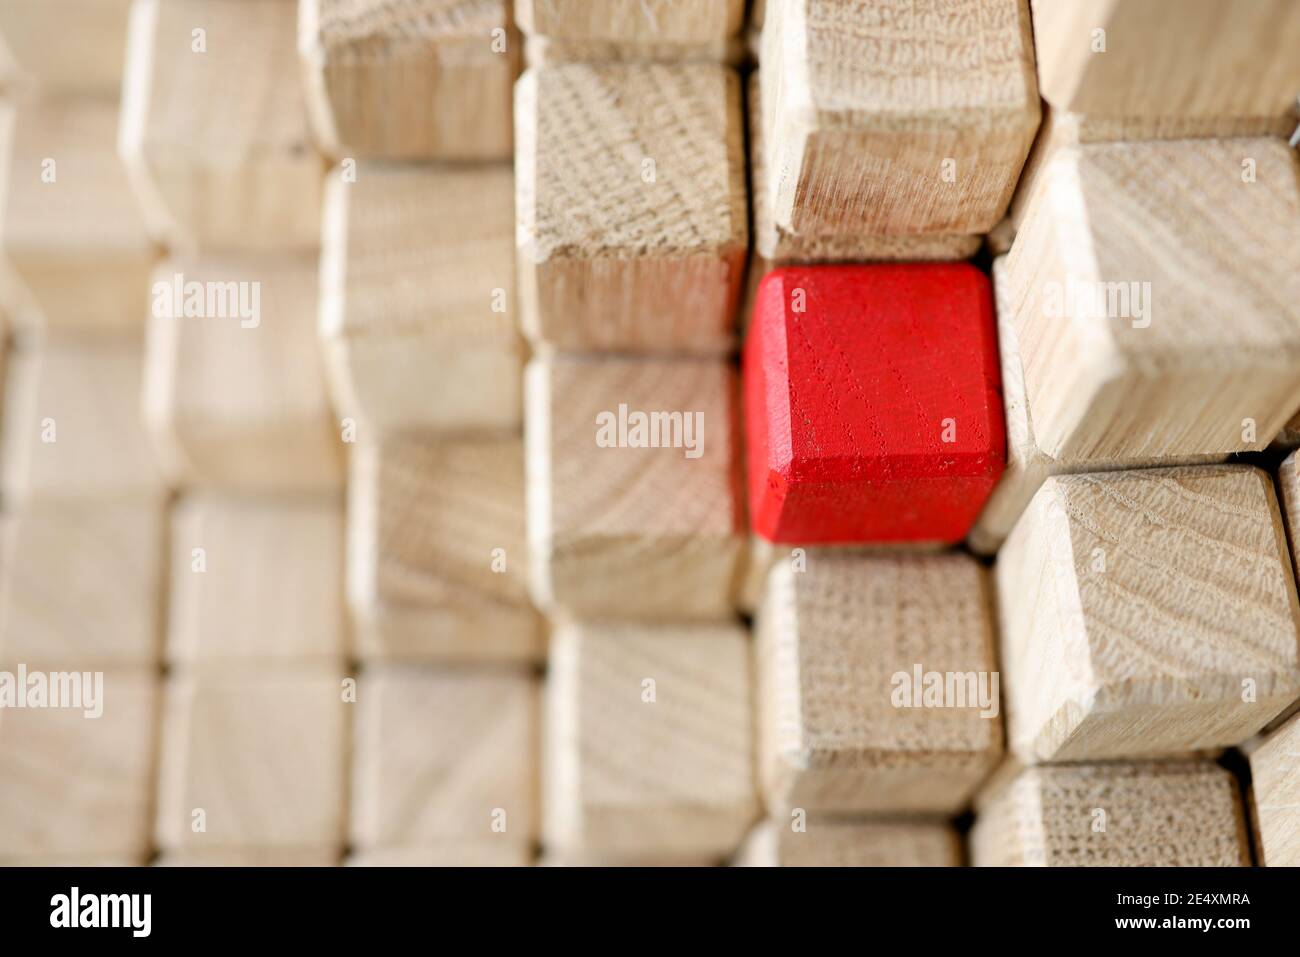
(249, 857)
(1289, 435)
(663, 525)
(1176, 814)
(453, 626)
(256, 580)
(418, 297)
(463, 854)
(66, 47)
(1146, 613)
(1288, 492)
(76, 243)
(445, 756)
(831, 842)
(72, 427)
(257, 759)
(630, 181)
(1275, 792)
(894, 121)
(1027, 465)
(81, 585)
(411, 80)
(876, 688)
(73, 786)
(214, 125)
(650, 22)
(235, 396)
(541, 50)
(648, 749)
(1123, 354)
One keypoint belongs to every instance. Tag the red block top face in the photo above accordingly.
(873, 403)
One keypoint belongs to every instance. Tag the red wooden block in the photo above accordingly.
(873, 403)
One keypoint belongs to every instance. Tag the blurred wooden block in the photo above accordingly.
(452, 626)
(66, 47)
(214, 125)
(249, 857)
(256, 580)
(253, 759)
(829, 842)
(417, 80)
(72, 427)
(1122, 355)
(417, 297)
(876, 684)
(604, 506)
(892, 122)
(542, 51)
(1289, 435)
(467, 854)
(1275, 790)
(238, 399)
(1146, 613)
(81, 585)
(445, 757)
(651, 22)
(1172, 814)
(75, 786)
(630, 180)
(648, 741)
(72, 233)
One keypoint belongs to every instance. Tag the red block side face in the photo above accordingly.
(873, 403)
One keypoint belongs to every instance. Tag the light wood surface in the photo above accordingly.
(65, 47)
(454, 626)
(464, 854)
(249, 857)
(1275, 792)
(633, 21)
(542, 50)
(831, 842)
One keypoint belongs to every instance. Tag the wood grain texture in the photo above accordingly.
(1275, 793)
(241, 172)
(665, 527)
(262, 753)
(445, 757)
(1147, 231)
(409, 79)
(647, 22)
(266, 586)
(455, 626)
(236, 404)
(863, 103)
(415, 263)
(834, 735)
(79, 788)
(630, 179)
(1146, 613)
(39, 50)
(831, 842)
(648, 751)
(1175, 814)
(543, 50)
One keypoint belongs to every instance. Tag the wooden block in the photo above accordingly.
(1175, 814)
(256, 580)
(446, 757)
(630, 180)
(454, 626)
(1288, 491)
(76, 242)
(250, 857)
(648, 741)
(466, 854)
(829, 842)
(1289, 436)
(664, 521)
(417, 297)
(77, 786)
(540, 51)
(261, 754)
(81, 585)
(650, 22)
(889, 437)
(66, 47)
(876, 684)
(896, 122)
(1275, 791)
(1122, 355)
(1027, 465)
(1146, 613)
(1184, 60)
(72, 428)
(415, 80)
(214, 125)
(236, 397)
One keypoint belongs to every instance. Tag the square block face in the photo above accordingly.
(872, 403)
(1147, 613)
(84, 62)
(81, 586)
(261, 755)
(649, 751)
(78, 786)
(256, 580)
(445, 757)
(632, 478)
(1175, 814)
(633, 21)
(418, 298)
(630, 179)
(419, 80)
(1275, 787)
(878, 686)
(827, 842)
